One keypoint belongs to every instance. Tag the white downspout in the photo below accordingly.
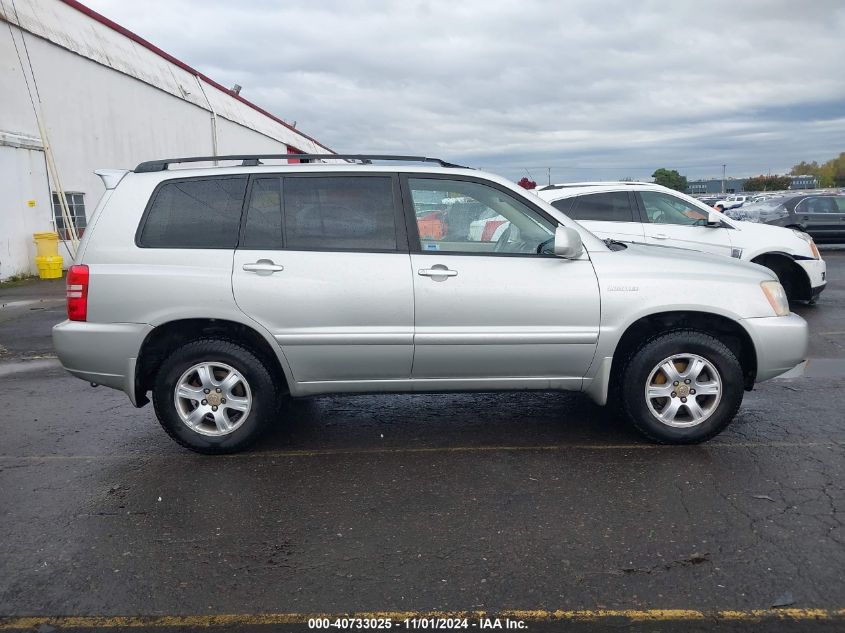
(214, 151)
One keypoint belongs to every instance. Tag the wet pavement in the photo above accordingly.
(418, 503)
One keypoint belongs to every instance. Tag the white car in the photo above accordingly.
(731, 202)
(651, 214)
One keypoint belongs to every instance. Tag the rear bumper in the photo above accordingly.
(104, 353)
(780, 343)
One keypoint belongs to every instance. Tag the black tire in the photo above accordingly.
(642, 362)
(787, 277)
(264, 395)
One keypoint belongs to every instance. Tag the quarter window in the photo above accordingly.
(197, 213)
(613, 206)
(466, 217)
(662, 208)
(76, 208)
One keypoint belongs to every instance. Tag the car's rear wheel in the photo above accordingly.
(214, 396)
(682, 387)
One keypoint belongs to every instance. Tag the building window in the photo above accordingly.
(76, 208)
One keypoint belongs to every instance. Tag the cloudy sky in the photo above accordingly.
(592, 89)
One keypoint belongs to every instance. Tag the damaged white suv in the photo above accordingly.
(648, 213)
(221, 289)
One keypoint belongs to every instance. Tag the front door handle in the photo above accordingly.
(437, 271)
(661, 236)
(263, 267)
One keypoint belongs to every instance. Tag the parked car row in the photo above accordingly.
(822, 216)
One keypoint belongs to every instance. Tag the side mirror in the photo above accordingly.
(713, 219)
(567, 243)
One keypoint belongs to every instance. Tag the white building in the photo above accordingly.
(108, 99)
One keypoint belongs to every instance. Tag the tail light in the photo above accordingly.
(77, 293)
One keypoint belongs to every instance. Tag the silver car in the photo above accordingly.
(221, 290)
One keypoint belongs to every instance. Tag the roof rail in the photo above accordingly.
(253, 159)
(596, 183)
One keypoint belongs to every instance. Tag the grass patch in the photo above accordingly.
(17, 280)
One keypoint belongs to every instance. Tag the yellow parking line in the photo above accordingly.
(446, 449)
(269, 619)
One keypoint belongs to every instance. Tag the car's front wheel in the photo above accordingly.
(214, 396)
(682, 387)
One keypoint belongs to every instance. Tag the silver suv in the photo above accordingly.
(222, 289)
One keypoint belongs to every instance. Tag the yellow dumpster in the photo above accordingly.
(49, 267)
(46, 244)
(47, 256)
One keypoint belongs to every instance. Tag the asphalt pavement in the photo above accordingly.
(539, 507)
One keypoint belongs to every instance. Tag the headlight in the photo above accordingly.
(776, 296)
(810, 241)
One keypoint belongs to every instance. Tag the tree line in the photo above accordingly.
(829, 174)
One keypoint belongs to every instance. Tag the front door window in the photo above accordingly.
(663, 208)
(456, 216)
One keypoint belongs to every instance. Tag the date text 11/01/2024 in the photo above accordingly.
(416, 623)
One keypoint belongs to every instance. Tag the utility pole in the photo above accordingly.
(723, 178)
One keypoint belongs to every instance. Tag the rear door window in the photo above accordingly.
(339, 212)
(194, 213)
(612, 206)
(817, 205)
(355, 213)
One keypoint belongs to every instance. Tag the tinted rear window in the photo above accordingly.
(563, 205)
(339, 212)
(613, 206)
(197, 213)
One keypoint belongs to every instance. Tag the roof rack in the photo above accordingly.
(250, 160)
(597, 183)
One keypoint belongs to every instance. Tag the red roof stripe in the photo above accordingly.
(155, 49)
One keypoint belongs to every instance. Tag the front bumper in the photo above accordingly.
(816, 270)
(780, 343)
(104, 353)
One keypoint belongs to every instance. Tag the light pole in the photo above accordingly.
(723, 178)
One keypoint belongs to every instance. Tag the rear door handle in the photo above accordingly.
(437, 272)
(660, 236)
(263, 267)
